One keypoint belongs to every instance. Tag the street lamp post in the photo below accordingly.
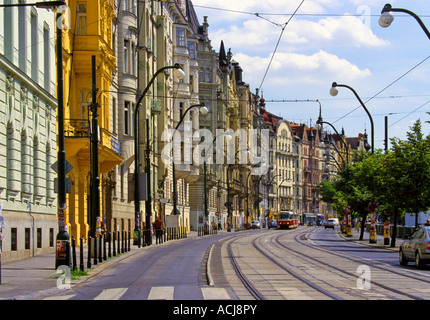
(334, 92)
(137, 230)
(267, 190)
(203, 111)
(321, 122)
(387, 17)
(228, 135)
(279, 187)
(229, 213)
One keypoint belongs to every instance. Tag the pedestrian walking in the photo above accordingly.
(158, 226)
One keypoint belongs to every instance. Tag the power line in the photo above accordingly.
(277, 44)
(428, 101)
(398, 79)
(298, 14)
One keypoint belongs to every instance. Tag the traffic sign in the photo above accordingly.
(373, 207)
(68, 166)
(348, 209)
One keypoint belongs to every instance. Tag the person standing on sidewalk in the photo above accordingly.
(158, 225)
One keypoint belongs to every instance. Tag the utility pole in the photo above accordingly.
(95, 179)
(63, 254)
(148, 184)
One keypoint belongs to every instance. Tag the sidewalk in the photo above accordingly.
(379, 240)
(36, 277)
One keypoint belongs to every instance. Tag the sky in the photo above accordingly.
(293, 50)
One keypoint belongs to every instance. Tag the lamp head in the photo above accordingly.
(386, 16)
(61, 4)
(333, 90)
(203, 109)
(178, 72)
(386, 19)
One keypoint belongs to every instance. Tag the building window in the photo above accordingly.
(27, 238)
(114, 115)
(13, 239)
(47, 60)
(22, 38)
(133, 60)
(39, 237)
(34, 48)
(51, 237)
(201, 74)
(126, 56)
(207, 75)
(126, 115)
(82, 19)
(85, 103)
(192, 50)
(129, 6)
(180, 37)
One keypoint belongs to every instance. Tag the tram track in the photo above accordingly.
(295, 274)
(257, 294)
(298, 262)
(299, 239)
(241, 275)
(377, 265)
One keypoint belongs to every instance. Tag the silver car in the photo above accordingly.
(416, 248)
(255, 224)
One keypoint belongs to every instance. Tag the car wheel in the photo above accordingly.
(419, 261)
(402, 258)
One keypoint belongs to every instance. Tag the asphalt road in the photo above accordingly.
(174, 271)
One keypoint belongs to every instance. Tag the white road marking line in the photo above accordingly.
(161, 293)
(111, 294)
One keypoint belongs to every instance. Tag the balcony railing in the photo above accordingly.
(80, 128)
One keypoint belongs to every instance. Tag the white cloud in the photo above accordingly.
(294, 68)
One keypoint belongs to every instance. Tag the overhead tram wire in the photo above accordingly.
(297, 14)
(424, 104)
(277, 44)
(392, 83)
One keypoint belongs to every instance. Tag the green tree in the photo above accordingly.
(406, 175)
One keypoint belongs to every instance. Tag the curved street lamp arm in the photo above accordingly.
(175, 66)
(388, 8)
(186, 111)
(320, 121)
(337, 150)
(364, 107)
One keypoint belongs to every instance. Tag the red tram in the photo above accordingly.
(288, 220)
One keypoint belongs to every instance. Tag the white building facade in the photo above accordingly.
(28, 139)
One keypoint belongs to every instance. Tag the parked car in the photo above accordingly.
(273, 224)
(335, 221)
(329, 224)
(416, 248)
(255, 224)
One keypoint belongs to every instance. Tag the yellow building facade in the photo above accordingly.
(88, 33)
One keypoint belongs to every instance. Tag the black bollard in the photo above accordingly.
(109, 245)
(118, 241)
(129, 248)
(113, 244)
(81, 254)
(95, 250)
(122, 241)
(100, 248)
(89, 253)
(104, 247)
(74, 265)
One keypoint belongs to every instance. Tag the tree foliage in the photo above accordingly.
(398, 180)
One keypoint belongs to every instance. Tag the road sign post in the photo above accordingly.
(387, 232)
(372, 208)
(348, 212)
(63, 249)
